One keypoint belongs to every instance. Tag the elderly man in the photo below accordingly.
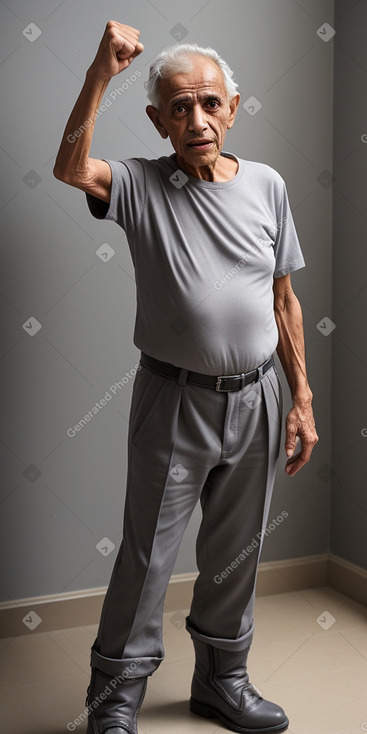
(213, 244)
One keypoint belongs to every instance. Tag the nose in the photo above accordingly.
(197, 120)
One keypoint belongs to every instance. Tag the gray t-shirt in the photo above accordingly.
(205, 255)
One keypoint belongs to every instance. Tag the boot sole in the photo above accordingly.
(93, 729)
(207, 712)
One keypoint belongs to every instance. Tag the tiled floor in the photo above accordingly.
(318, 675)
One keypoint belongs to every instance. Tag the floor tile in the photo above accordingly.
(319, 705)
(317, 672)
(36, 658)
(354, 679)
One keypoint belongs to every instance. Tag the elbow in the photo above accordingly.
(60, 173)
(67, 176)
(81, 179)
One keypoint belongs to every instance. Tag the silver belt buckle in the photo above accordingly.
(241, 378)
(218, 383)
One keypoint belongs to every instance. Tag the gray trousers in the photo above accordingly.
(188, 443)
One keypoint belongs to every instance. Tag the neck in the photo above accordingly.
(222, 169)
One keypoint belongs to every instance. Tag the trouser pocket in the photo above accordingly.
(148, 391)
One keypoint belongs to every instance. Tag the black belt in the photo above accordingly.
(222, 383)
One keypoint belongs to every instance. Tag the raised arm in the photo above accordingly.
(291, 351)
(118, 48)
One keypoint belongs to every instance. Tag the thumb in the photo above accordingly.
(290, 441)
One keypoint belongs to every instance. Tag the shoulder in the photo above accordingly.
(164, 163)
(264, 173)
(148, 170)
(264, 181)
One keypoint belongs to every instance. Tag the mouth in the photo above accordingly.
(201, 144)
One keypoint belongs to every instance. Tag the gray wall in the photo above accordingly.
(61, 495)
(349, 404)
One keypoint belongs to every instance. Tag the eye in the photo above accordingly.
(213, 104)
(180, 109)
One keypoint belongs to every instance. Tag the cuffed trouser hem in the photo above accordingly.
(222, 643)
(126, 668)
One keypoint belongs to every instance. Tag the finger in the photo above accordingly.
(129, 34)
(306, 451)
(138, 49)
(292, 468)
(128, 51)
(127, 29)
(124, 63)
(124, 30)
(122, 46)
(296, 462)
(120, 31)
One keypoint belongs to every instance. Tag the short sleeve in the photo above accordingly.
(287, 249)
(127, 195)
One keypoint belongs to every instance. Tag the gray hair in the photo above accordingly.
(175, 60)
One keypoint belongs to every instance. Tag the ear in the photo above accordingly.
(233, 106)
(154, 116)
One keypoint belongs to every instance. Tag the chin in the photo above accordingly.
(206, 157)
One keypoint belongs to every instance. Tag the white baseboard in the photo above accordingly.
(348, 578)
(80, 608)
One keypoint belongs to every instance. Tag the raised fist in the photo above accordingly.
(118, 48)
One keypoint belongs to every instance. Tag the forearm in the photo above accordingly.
(119, 46)
(291, 347)
(72, 159)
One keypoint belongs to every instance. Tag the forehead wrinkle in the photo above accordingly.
(184, 95)
(179, 84)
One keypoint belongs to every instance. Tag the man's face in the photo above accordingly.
(195, 112)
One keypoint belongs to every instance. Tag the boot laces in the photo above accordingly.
(252, 691)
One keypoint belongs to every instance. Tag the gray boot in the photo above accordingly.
(221, 688)
(114, 701)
